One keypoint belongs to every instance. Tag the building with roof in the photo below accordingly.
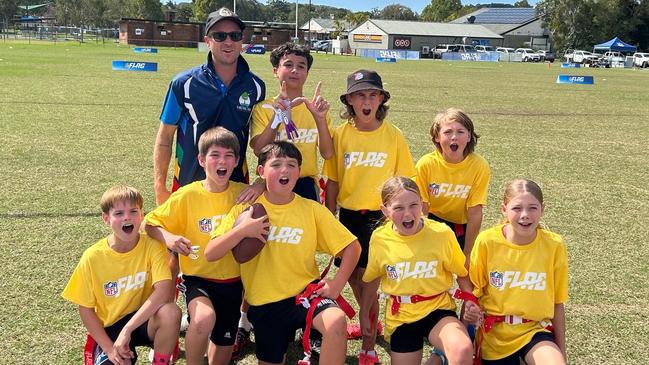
(417, 36)
(519, 27)
(323, 28)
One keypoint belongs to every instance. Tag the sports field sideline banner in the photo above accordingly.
(389, 53)
(471, 56)
(145, 50)
(570, 79)
(135, 66)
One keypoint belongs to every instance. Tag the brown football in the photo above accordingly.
(249, 247)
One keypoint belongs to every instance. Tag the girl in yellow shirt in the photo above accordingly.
(520, 274)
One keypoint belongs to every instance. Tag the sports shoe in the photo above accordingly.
(365, 359)
(242, 339)
(184, 323)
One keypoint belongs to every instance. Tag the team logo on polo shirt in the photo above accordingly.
(205, 225)
(496, 279)
(244, 102)
(111, 289)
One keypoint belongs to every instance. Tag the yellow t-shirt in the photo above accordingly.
(363, 161)
(525, 281)
(287, 263)
(422, 264)
(116, 284)
(194, 213)
(451, 188)
(306, 142)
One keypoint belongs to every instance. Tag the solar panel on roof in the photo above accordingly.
(505, 16)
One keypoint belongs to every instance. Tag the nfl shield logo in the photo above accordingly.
(347, 160)
(111, 289)
(496, 279)
(205, 225)
(434, 189)
(391, 272)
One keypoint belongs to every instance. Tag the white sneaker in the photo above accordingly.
(184, 323)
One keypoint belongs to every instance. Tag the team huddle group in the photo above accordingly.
(410, 231)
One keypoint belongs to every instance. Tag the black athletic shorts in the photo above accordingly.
(306, 187)
(226, 300)
(275, 325)
(516, 357)
(139, 337)
(409, 337)
(361, 223)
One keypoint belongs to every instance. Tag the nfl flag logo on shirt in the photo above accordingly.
(205, 225)
(392, 273)
(496, 279)
(111, 289)
(434, 189)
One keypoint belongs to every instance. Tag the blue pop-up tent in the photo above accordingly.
(615, 44)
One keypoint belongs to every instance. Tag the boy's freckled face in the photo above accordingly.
(280, 173)
(293, 70)
(219, 163)
(453, 138)
(124, 219)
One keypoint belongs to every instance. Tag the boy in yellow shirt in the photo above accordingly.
(184, 223)
(312, 136)
(296, 229)
(121, 286)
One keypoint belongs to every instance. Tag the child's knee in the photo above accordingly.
(334, 323)
(202, 320)
(168, 314)
(461, 352)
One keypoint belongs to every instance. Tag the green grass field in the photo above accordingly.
(70, 127)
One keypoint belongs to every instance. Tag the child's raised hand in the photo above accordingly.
(318, 106)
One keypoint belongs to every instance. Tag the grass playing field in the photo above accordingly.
(70, 127)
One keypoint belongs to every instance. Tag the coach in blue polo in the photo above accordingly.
(220, 92)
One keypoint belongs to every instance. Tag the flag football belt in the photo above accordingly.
(310, 299)
(397, 300)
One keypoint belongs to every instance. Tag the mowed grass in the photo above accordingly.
(70, 127)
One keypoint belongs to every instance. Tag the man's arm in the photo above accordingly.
(161, 159)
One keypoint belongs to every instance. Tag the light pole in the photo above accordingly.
(296, 19)
(234, 7)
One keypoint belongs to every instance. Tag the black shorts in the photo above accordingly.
(226, 301)
(516, 357)
(409, 337)
(307, 188)
(361, 223)
(457, 228)
(139, 337)
(275, 325)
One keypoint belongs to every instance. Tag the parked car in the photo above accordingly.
(484, 48)
(546, 55)
(465, 48)
(568, 55)
(641, 59)
(584, 57)
(322, 45)
(443, 48)
(528, 55)
(504, 50)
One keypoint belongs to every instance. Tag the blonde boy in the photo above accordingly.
(121, 286)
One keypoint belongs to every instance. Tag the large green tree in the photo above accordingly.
(398, 12)
(440, 10)
(8, 8)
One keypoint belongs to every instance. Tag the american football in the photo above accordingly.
(249, 247)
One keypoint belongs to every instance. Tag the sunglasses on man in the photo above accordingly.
(221, 36)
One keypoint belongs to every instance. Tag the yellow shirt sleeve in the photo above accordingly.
(421, 178)
(405, 165)
(167, 214)
(79, 289)
(261, 117)
(457, 258)
(479, 191)
(561, 275)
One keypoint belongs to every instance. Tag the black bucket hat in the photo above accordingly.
(364, 80)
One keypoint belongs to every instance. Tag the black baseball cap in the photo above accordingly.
(222, 14)
(364, 80)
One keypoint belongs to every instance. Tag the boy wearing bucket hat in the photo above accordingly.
(368, 150)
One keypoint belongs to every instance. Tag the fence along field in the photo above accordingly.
(70, 127)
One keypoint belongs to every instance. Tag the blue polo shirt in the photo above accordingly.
(198, 100)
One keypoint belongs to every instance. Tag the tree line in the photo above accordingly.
(572, 23)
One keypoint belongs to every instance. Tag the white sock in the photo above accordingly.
(243, 322)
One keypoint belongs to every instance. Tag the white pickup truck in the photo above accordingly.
(582, 57)
(641, 60)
